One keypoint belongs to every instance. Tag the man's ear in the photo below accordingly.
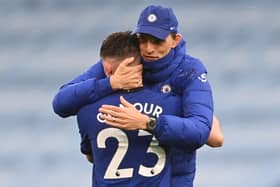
(107, 69)
(177, 40)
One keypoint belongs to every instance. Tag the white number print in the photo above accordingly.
(157, 150)
(113, 171)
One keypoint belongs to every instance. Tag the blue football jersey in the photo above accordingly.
(128, 158)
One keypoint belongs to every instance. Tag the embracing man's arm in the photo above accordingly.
(84, 89)
(92, 85)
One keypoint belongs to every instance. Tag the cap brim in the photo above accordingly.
(154, 31)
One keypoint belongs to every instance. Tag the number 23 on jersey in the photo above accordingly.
(113, 171)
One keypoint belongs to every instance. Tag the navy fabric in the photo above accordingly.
(193, 130)
(157, 21)
(140, 148)
(180, 74)
(84, 89)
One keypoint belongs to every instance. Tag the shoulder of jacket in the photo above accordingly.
(187, 71)
(192, 64)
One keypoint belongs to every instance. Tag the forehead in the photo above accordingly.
(143, 36)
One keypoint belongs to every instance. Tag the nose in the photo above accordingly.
(149, 47)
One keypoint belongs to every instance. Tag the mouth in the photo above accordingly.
(149, 58)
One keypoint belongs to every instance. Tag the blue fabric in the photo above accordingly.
(140, 146)
(179, 74)
(84, 89)
(157, 21)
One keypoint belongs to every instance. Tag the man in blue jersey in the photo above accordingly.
(126, 157)
(130, 157)
(167, 69)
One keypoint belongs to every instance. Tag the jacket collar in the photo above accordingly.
(160, 70)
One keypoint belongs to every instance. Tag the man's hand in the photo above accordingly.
(89, 158)
(126, 117)
(216, 137)
(126, 76)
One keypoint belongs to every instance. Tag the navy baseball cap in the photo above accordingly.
(157, 21)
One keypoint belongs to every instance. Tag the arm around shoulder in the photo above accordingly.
(84, 89)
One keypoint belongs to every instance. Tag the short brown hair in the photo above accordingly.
(120, 45)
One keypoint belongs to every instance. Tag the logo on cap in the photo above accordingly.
(152, 18)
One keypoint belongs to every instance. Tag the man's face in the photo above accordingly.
(152, 48)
